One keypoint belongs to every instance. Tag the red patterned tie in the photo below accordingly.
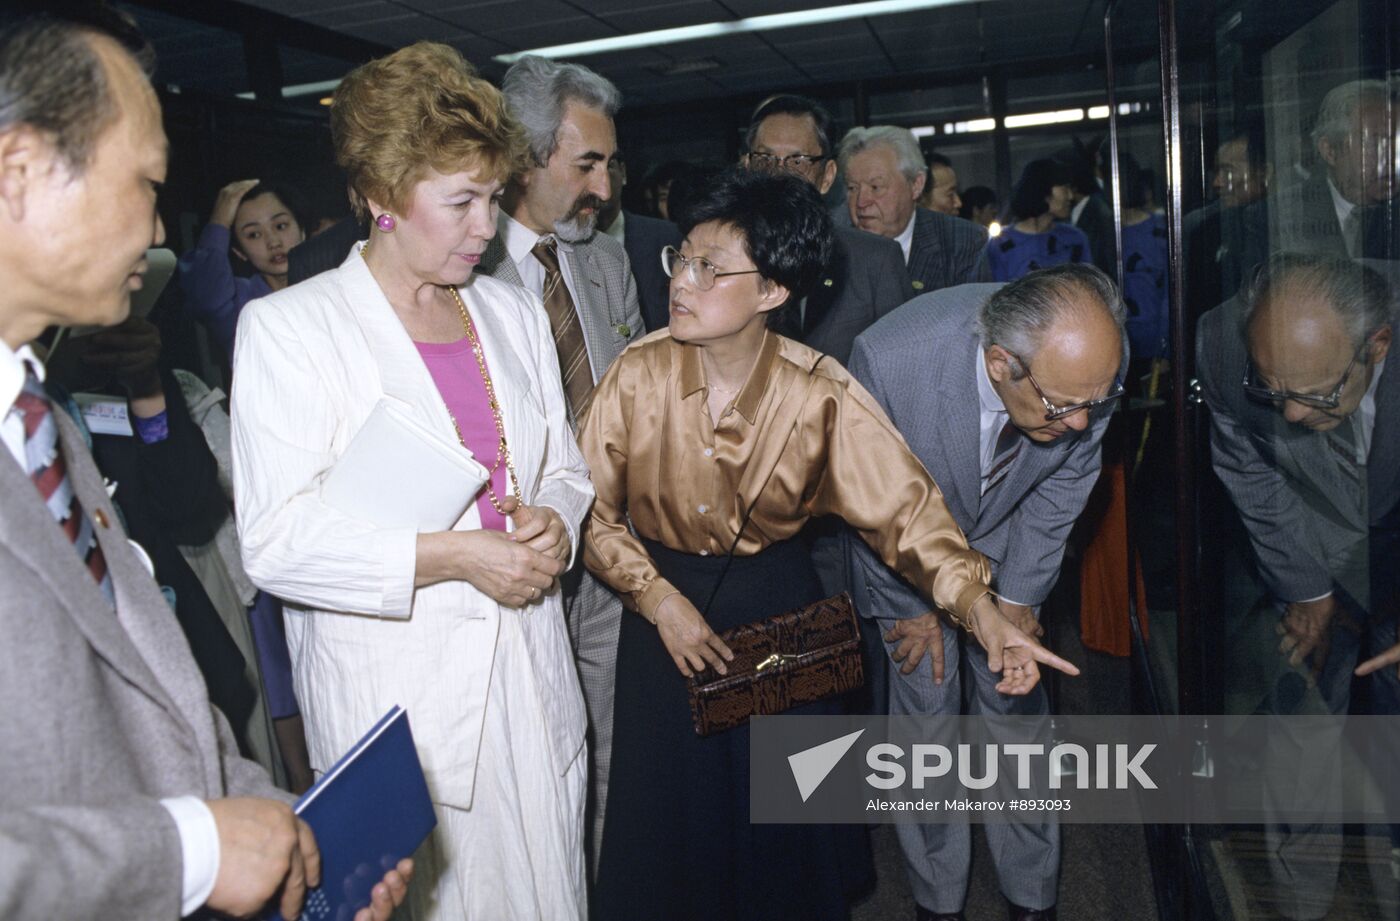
(46, 467)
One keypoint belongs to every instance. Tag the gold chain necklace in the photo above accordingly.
(502, 448)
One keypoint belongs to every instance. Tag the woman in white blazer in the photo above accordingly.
(464, 628)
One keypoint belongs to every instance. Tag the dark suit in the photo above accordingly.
(946, 251)
(325, 251)
(864, 280)
(1303, 219)
(105, 714)
(644, 237)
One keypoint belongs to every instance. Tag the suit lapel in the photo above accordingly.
(511, 380)
(962, 441)
(402, 374)
(594, 310)
(924, 250)
(1383, 464)
(29, 529)
(823, 297)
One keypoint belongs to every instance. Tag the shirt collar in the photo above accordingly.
(693, 375)
(519, 239)
(12, 369)
(1077, 210)
(906, 236)
(1339, 202)
(987, 397)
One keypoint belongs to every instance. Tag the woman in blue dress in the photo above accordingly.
(1036, 238)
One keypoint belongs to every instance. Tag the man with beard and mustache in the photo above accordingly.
(547, 242)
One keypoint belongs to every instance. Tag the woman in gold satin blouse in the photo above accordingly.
(686, 430)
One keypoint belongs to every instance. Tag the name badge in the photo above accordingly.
(104, 414)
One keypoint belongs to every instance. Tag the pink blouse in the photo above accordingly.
(458, 381)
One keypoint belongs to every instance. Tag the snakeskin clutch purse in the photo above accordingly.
(803, 655)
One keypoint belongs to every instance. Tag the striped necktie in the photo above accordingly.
(1008, 448)
(574, 369)
(49, 472)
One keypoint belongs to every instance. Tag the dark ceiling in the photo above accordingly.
(202, 44)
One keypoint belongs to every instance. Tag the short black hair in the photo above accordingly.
(974, 197)
(934, 158)
(787, 230)
(1028, 198)
(792, 104)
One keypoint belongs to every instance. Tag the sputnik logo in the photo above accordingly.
(810, 766)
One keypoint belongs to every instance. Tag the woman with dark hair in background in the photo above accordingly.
(674, 428)
(252, 223)
(1038, 238)
(1144, 264)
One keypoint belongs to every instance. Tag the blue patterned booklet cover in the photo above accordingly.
(369, 811)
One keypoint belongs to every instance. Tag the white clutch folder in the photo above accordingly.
(398, 474)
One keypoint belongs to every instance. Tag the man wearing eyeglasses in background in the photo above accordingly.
(1004, 393)
(865, 278)
(1305, 426)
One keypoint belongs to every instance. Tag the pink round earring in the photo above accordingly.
(385, 222)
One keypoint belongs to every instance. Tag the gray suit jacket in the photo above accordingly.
(608, 310)
(105, 714)
(919, 363)
(946, 251)
(1307, 511)
(864, 280)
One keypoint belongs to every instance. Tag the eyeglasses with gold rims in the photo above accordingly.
(1256, 389)
(797, 161)
(1054, 411)
(702, 272)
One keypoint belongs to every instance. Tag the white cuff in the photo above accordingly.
(199, 850)
(1011, 601)
(1311, 600)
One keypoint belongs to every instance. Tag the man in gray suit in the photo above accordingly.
(1004, 393)
(885, 174)
(122, 793)
(547, 241)
(1305, 436)
(865, 278)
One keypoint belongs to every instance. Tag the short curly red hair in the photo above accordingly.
(422, 107)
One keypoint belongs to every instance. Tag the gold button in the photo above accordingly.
(100, 517)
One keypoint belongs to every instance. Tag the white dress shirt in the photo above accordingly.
(199, 836)
(520, 240)
(906, 236)
(618, 228)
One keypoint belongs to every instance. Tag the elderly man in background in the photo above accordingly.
(1004, 393)
(865, 277)
(547, 241)
(885, 175)
(122, 793)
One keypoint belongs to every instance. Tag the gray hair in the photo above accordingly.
(906, 149)
(1018, 315)
(1360, 295)
(1337, 114)
(537, 91)
(52, 79)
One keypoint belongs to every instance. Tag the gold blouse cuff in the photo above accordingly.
(967, 597)
(650, 598)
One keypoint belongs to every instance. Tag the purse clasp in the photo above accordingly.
(776, 658)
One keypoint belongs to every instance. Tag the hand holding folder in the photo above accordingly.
(368, 812)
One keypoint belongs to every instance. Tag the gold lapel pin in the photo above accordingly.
(100, 517)
(918, 285)
(624, 330)
(827, 282)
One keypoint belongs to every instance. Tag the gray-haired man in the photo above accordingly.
(1004, 393)
(885, 175)
(547, 242)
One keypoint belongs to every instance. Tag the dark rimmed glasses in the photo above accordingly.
(1258, 391)
(702, 272)
(1053, 411)
(797, 161)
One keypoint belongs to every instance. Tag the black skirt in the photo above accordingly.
(677, 841)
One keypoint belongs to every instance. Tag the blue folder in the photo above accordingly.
(369, 811)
